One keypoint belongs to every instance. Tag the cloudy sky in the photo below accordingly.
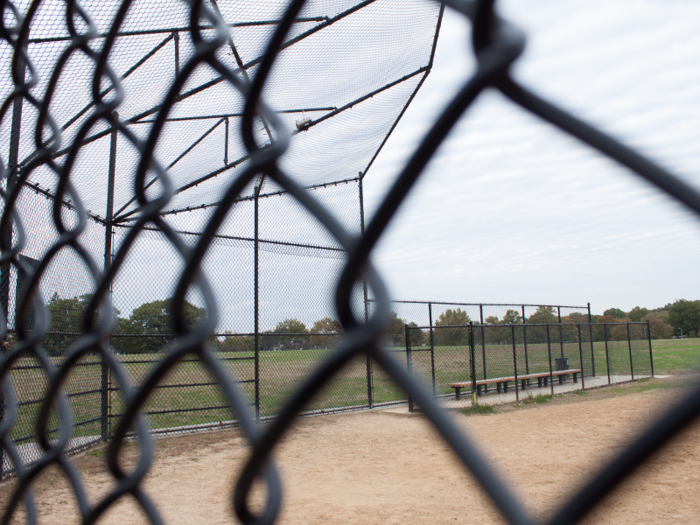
(511, 209)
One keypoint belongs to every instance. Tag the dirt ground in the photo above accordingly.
(376, 467)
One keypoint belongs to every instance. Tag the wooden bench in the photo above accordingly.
(502, 382)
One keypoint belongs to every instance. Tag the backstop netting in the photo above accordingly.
(345, 75)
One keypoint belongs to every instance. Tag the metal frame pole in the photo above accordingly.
(176, 39)
(527, 359)
(226, 138)
(256, 299)
(473, 364)
(580, 356)
(607, 354)
(409, 364)
(590, 334)
(368, 360)
(629, 344)
(104, 390)
(561, 337)
(483, 342)
(432, 347)
(651, 358)
(515, 363)
(549, 353)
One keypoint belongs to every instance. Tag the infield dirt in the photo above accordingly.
(377, 467)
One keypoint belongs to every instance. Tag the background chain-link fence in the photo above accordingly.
(157, 213)
(506, 363)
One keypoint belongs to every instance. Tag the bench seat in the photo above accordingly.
(502, 382)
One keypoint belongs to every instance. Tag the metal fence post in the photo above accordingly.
(515, 362)
(104, 387)
(256, 300)
(561, 337)
(409, 364)
(473, 364)
(580, 356)
(432, 347)
(629, 344)
(549, 353)
(527, 360)
(651, 358)
(368, 360)
(590, 334)
(607, 354)
(483, 341)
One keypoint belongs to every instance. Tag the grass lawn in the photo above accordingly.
(187, 397)
(673, 356)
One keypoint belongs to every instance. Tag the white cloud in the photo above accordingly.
(511, 209)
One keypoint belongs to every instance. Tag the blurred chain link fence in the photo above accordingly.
(182, 193)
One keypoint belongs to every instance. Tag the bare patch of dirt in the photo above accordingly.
(371, 467)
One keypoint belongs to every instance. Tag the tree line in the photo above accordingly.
(153, 320)
(680, 318)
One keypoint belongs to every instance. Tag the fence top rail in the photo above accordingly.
(520, 325)
(452, 303)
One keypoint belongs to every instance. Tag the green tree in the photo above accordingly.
(417, 336)
(543, 315)
(684, 315)
(66, 316)
(616, 313)
(575, 317)
(395, 333)
(153, 319)
(599, 332)
(290, 326)
(236, 343)
(637, 313)
(444, 333)
(329, 326)
(658, 326)
(512, 317)
(296, 340)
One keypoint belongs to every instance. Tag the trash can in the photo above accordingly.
(561, 363)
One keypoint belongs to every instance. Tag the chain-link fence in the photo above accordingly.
(499, 363)
(178, 169)
(505, 363)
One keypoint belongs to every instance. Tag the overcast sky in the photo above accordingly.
(511, 209)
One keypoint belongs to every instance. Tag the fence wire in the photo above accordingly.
(495, 364)
(70, 126)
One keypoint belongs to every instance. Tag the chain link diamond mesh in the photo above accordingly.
(206, 97)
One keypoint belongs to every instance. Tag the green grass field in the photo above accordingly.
(281, 373)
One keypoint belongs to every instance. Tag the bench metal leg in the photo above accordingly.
(498, 387)
(546, 381)
(523, 384)
(539, 382)
(575, 378)
(505, 386)
(561, 379)
(458, 393)
(478, 390)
